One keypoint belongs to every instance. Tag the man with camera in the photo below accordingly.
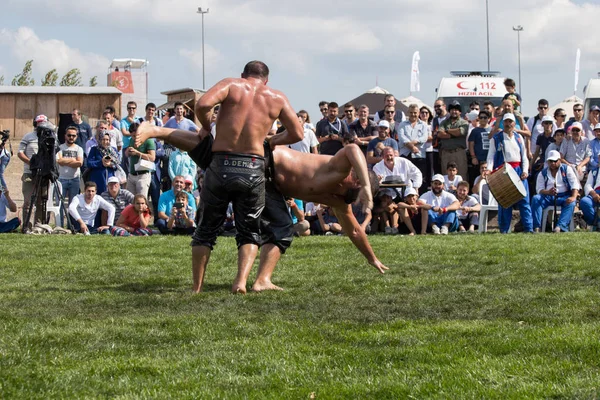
(7, 203)
(5, 154)
(27, 148)
(166, 205)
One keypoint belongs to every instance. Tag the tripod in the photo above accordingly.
(39, 184)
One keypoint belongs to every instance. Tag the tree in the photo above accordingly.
(51, 78)
(1, 80)
(24, 78)
(71, 78)
(94, 81)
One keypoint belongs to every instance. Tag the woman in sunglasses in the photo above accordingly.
(560, 117)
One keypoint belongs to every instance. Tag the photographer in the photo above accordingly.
(166, 204)
(181, 220)
(5, 154)
(102, 161)
(27, 148)
(7, 202)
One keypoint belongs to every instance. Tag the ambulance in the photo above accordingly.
(467, 87)
(591, 94)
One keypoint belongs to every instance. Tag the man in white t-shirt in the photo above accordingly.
(309, 144)
(83, 211)
(441, 207)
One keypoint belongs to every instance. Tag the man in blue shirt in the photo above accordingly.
(179, 121)
(167, 201)
(376, 146)
(595, 147)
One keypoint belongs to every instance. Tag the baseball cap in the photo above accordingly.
(113, 179)
(455, 105)
(594, 108)
(438, 177)
(510, 116)
(384, 123)
(410, 191)
(41, 118)
(547, 118)
(188, 179)
(553, 155)
(597, 126)
(576, 124)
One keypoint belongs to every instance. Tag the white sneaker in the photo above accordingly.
(435, 229)
(444, 230)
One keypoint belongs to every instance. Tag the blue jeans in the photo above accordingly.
(70, 189)
(4, 160)
(10, 225)
(587, 207)
(442, 219)
(541, 201)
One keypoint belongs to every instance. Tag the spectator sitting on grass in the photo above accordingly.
(441, 206)
(385, 212)
(134, 219)
(468, 213)
(181, 219)
(301, 226)
(117, 197)
(328, 222)
(166, 202)
(7, 203)
(414, 219)
(83, 210)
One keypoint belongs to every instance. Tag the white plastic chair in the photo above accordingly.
(545, 218)
(491, 205)
(53, 204)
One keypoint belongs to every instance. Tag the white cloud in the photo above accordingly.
(24, 44)
(213, 58)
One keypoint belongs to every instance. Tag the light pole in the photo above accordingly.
(518, 29)
(201, 11)
(487, 25)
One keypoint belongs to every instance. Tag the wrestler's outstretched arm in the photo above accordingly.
(357, 235)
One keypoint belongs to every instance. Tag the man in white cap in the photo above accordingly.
(441, 207)
(383, 140)
(575, 150)
(541, 144)
(556, 184)
(117, 197)
(509, 146)
(595, 148)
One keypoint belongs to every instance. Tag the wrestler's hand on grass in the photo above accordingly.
(365, 198)
(379, 266)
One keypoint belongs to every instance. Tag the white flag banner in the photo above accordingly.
(415, 84)
(577, 57)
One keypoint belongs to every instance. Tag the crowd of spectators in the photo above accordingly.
(431, 168)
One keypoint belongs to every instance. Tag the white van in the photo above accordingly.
(467, 87)
(591, 93)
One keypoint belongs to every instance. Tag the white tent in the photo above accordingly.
(403, 104)
(567, 105)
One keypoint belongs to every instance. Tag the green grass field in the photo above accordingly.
(515, 316)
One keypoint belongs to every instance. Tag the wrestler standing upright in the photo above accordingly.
(236, 172)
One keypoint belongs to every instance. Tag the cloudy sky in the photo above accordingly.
(317, 50)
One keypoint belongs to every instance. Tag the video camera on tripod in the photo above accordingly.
(43, 163)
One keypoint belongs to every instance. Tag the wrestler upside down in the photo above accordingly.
(333, 180)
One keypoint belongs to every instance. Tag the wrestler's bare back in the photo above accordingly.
(311, 176)
(248, 109)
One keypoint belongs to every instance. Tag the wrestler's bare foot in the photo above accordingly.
(264, 285)
(143, 133)
(238, 288)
